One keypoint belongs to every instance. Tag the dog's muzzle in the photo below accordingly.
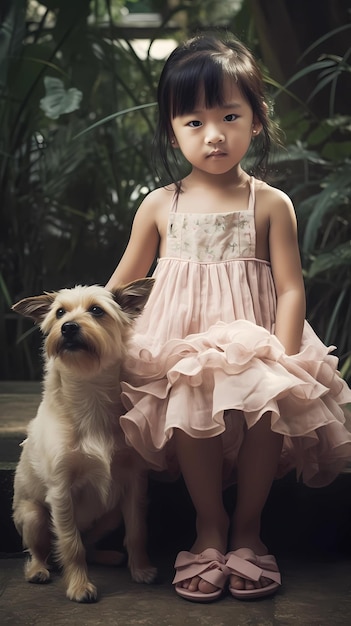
(71, 339)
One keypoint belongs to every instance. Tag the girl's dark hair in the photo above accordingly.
(200, 65)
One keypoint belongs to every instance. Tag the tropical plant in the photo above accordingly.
(76, 124)
(318, 161)
(67, 198)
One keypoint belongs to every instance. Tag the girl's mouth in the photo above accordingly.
(216, 153)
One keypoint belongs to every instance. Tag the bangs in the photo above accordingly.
(199, 81)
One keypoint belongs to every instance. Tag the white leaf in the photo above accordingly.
(59, 100)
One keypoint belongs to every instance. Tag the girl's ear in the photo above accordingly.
(256, 128)
(174, 142)
(256, 124)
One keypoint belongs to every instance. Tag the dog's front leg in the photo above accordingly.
(69, 547)
(134, 514)
(32, 522)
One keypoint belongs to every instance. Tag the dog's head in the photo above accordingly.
(87, 328)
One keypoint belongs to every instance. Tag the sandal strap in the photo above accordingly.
(210, 565)
(253, 567)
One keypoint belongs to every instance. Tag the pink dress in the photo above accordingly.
(204, 357)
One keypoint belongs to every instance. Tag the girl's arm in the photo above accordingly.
(142, 246)
(287, 274)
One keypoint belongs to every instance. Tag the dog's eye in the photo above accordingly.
(60, 313)
(96, 311)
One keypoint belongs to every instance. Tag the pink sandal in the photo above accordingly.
(210, 565)
(246, 564)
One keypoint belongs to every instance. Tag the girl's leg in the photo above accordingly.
(201, 466)
(257, 465)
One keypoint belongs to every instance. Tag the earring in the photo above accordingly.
(254, 131)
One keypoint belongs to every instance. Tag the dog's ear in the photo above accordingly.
(133, 297)
(36, 307)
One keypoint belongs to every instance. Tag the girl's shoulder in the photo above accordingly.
(269, 193)
(158, 198)
(153, 212)
(272, 200)
(161, 194)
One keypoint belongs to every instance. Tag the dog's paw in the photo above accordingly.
(144, 575)
(82, 593)
(39, 575)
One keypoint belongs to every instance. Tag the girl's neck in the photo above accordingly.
(233, 179)
(212, 194)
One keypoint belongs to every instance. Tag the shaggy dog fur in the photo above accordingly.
(76, 478)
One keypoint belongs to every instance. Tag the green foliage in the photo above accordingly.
(67, 197)
(318, 162)
(76, 125)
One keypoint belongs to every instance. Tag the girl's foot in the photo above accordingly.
(209, 567)
(207, 537)
(257, 570)
(255, 544)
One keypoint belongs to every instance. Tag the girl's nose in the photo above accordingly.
(214, 136)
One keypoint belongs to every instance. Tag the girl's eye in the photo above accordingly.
(195, 124)
(96, 311)
(60, 313)
(231, 117)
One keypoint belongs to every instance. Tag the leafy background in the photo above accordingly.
(76, 124)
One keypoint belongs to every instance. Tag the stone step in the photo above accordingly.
(296, 518)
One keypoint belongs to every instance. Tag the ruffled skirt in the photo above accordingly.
(221, 379)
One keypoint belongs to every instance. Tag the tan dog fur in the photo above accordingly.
(76, 476)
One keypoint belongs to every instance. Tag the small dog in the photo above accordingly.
(76, 477)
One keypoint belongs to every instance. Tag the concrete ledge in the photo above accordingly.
(296, 518)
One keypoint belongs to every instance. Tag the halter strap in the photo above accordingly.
(252, 196)
(174, 204)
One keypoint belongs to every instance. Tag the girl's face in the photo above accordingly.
(215, 140)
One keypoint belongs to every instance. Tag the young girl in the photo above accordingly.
(225, 380)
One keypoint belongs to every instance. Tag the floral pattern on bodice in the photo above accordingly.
(211, 237)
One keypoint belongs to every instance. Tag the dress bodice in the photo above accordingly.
(212, 237)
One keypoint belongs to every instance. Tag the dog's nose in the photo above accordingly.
(69, 329)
